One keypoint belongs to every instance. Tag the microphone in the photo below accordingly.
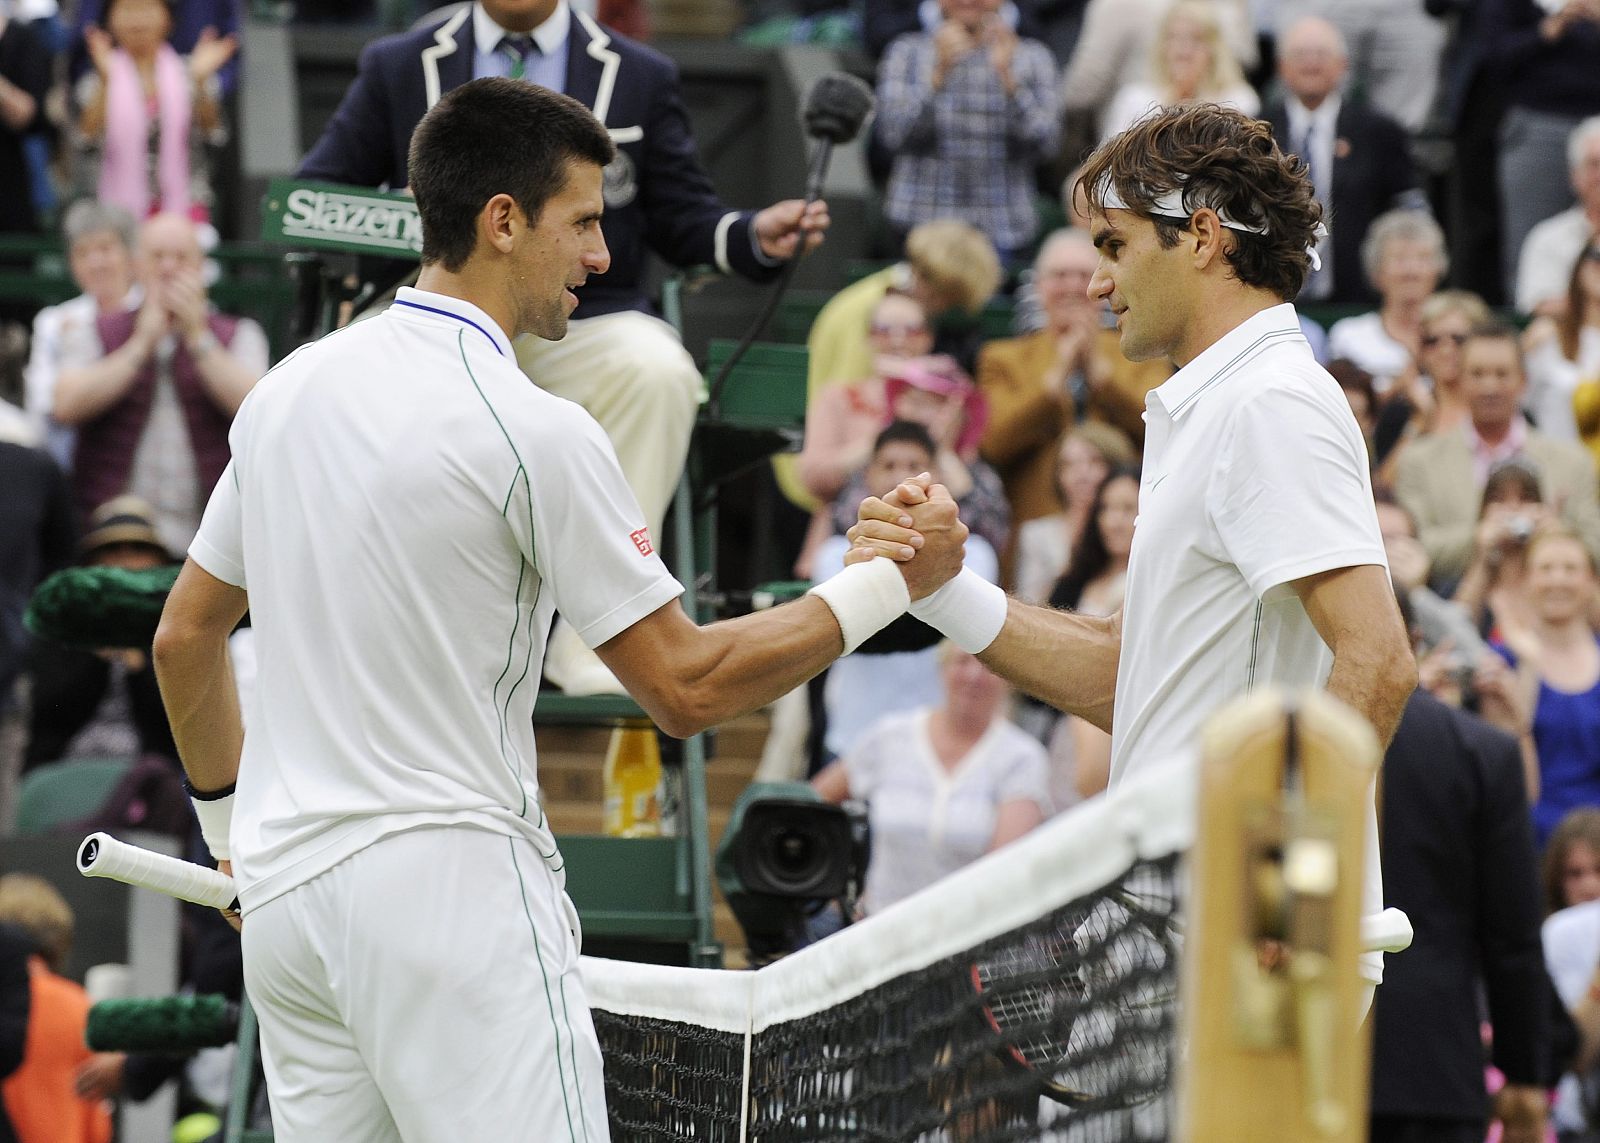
(836, 107)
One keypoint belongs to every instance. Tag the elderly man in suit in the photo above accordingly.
(1359, 158)
(1441, 476)
(618, 360)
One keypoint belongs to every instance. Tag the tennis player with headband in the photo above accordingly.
(1256, 557)
(402, 515)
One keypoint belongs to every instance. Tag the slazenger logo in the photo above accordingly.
(329, 214)
(641, 540)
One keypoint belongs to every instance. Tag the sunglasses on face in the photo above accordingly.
(887, 329)
(1430, 340)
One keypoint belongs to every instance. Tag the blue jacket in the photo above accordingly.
(657, 194)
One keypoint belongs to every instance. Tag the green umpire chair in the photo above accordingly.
(57, 793)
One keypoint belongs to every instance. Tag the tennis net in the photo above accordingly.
(1030, 996)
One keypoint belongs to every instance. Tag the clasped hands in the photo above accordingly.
(918, 527)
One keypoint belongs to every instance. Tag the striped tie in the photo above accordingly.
(1319, 282)
(516, 50)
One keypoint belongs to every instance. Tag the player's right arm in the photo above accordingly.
(688, 677)
(196, 676)
(1060, 657)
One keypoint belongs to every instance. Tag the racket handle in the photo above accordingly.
(102, 855)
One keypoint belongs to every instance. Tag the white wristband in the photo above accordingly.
(215, 814)
(969, 611)
(865, 598)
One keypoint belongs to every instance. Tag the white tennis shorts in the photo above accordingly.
(426, 990)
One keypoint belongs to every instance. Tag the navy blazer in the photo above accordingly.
(1372, 173)
(1458, 858)
(657, 194)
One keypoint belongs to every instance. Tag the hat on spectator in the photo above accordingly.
(942, 375)
(123, 520)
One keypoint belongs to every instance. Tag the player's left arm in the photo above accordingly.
(1354, 610)
(196, 676)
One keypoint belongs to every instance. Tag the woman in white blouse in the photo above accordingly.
(943, 785)
(1190, 62)
(1563, 358)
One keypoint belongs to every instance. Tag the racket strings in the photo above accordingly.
(1088, 1002)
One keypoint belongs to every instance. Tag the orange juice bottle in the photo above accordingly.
(632, 781)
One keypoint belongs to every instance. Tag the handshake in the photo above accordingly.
(916, 526)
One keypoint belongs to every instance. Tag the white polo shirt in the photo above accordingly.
(406, 511)
(1255, 475)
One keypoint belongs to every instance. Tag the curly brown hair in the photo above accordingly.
(1580, 826)
(1222, 159)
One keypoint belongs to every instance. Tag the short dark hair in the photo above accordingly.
(1222, 159)
(906, 432)
(494, 136)
(1513, 475)
(1496, 330)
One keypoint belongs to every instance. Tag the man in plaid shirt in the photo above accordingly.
(968, 110)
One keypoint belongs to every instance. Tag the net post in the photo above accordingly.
(1271, 989)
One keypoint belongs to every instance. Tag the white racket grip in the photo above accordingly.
(1388, 931)
(102, 855)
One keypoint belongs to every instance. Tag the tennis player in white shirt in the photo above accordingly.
(1256, 557)
(402, 515)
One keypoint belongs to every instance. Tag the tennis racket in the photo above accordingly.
(1086, 1005)
(102, 855)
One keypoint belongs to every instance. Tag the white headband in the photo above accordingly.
(1172, 205)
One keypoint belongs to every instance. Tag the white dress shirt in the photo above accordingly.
(547, 67)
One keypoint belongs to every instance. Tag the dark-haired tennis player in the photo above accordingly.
(405, 511)
(1256, 558)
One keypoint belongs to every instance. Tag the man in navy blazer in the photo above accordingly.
(1360, 159)
(618, 360)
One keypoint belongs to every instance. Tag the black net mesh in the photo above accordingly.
(1062, 1029)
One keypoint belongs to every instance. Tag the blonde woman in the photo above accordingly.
(1447, 317)
(1430, 398)
(1190, 62)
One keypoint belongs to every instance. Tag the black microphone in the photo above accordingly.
(836, 107)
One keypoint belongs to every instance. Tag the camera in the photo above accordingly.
(1520, 528)
(786, 854)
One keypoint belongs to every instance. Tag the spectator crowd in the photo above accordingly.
(1454, 146)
